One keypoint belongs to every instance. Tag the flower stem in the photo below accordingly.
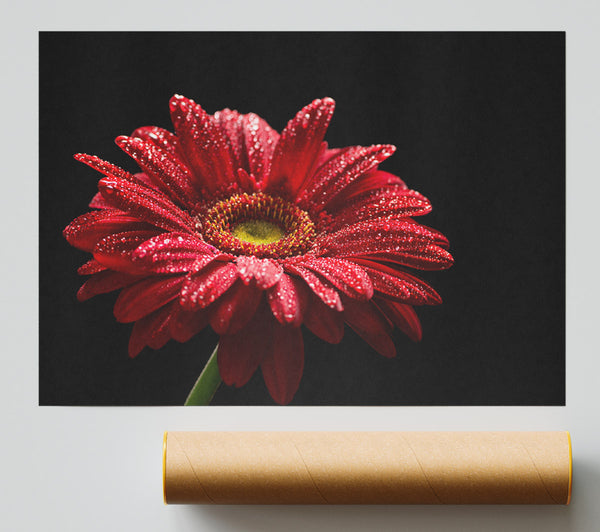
(207, 384)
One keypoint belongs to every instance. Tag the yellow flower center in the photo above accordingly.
(258, 232)
(257, 224)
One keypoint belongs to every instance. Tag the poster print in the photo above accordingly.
(426, 268)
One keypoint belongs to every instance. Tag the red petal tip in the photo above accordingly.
(175, 99)
(122, 140)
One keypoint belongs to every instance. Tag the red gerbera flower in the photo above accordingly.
(233, 225)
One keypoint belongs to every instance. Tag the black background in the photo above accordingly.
(479, 123)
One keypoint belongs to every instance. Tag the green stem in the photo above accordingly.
(207, 384)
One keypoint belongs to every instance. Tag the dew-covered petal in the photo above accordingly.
(327, 154)
(88, 229)
(341, 171)
(161, 138)
(202, 288)
(185, 324)
(288, 299)
(412, 244)
(265, 272)
(142, 179)
(399, 285)
(259, 142)
(104, 167)
(373, 180)
(104, 282)
(175, 241)
(98, 202)
(298, 149)
(152, 330)
(252, 141)
(165, 170)
(402, 316)
(115, 251)
(206, 147)
(371, 325)
(322, 288)
(111, 170)
(145, 296)
(160, 332)
(324, 322)
(426, 257)
(346, 276)
(174, 253)
(240, 354)
(90, 267)
(372, 235)
(389, 202)
(145, 204)
(283, 365)
(439, 239)
(247, 181)
(235, 308)
(231, 123)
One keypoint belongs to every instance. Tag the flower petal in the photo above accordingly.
(370, 324)
(174, 253)
(340, 171)
(90, 267)
(235, 308)
(98, 202)
(185, 324)
(104, 282)
(320, 287)
(372, 235)
(115, 250)
(205, 145)
(231, 124)
(373, 180)
(266, 272)
(412, 244)
(324, 322)
(144, 297)
(438, 238)
(252, 141)
(327, 154)
(148, 205)
(389, 202)
(152, 330)
(402, 316)
(288, 299)
(260, 141)
(88, 229)
(283, 365)
(419, 256)
(240, 354)
(247, 181)
(104, 167)
(399, 285)
(346, 276)
(161, 138)
(202, 288)
(165, 170)
(298, 148)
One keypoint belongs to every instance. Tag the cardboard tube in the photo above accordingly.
(367, 467)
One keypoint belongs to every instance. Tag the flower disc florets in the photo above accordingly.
(257, 224)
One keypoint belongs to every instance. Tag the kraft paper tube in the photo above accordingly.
(367, 467)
